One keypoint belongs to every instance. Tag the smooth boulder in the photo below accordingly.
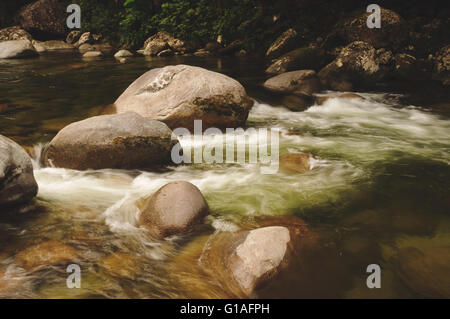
(17, 183)
(173, 209)
(123, 141)
(302, 58)
(123, 54)
(296, 82)
(93, 54)
(178, 95)
(16, 49)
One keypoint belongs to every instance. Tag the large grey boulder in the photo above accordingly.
(296, 82)
(52, 45)
(178, 95)
(124, 141)
(15, 49)
(173, 209)
(123, 54)
(17, 183)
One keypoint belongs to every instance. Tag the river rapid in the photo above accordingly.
(378, 187)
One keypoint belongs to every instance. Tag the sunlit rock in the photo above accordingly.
(178, 95)
(173, 209)
(126, 141)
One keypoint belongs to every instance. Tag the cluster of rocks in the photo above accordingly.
(354, 56)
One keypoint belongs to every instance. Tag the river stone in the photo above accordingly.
(124, 141)
(302, 58)
(180, 94)
(295, 163)
(15, 49)
(173, 209)
(322, 99)
(53, 45)
(14, 33)
(48, 253)
(17, 183)
(123, 54)
(43, 18)
(297, 103)
(85, 38)
(282, 44)
(259, 256)
(93, 54)
(86, 48)
(426, 273)
(442, 65)
(391, 34)
(73, 36)
(356, 65)
(296, 82)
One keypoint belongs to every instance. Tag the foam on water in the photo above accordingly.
(346, 137)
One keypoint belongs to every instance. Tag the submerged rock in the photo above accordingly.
(173, 209)
(126, 141)
(302, 58)
(17, 183)
(297, 103)
(320, 100)
(121, 265)
(178, 95)
(282, 44)
(15, 49)
(48, 253)
(295, 163)
(296, 82)
(426, 273)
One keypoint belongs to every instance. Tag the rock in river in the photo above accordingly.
(17, 183)
(126, 141)
(15, 49)
(173, 209)
(178, 95)
(296, 82)
(51, 252)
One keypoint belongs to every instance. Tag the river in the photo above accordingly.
(379, 184)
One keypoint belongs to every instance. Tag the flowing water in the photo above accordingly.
(379, 186)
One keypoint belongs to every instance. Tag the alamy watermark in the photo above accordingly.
(213, 146)
(374, 19)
